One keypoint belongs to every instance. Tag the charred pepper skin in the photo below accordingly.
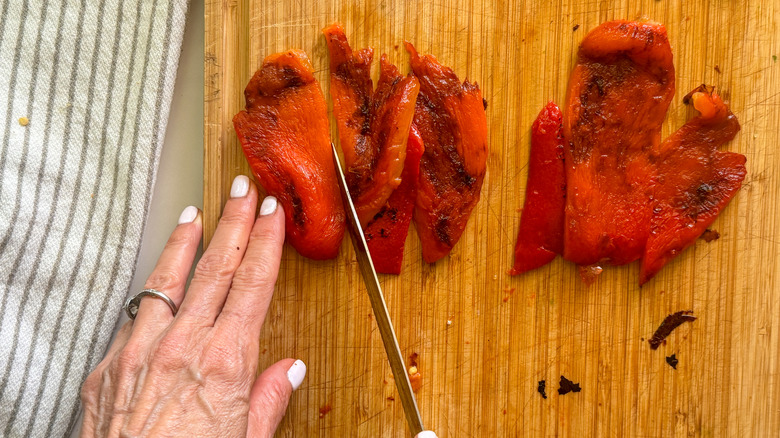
(451, 119)
(373, 124)
(386, 232)
(618, 95)
(694, 181)
(285, 136)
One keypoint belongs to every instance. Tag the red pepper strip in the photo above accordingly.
(373, 124)
(618, 95)
(694, 182)
(386, 233)
(541, 226)
(450, 117)
(285, 136)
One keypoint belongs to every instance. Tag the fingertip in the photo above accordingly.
(189, 215)
(296, 373)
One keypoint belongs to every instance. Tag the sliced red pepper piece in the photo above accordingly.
(450, 117)
(618, 95)
(285, 136)
(694, 182)
(386, 232)
(541, 225)
(373, 124)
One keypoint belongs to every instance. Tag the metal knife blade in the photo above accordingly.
(381, 314)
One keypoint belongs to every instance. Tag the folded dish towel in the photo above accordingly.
(85, 89)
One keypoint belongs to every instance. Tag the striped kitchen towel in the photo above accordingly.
(85, 90)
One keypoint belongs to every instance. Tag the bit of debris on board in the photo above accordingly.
(576, 26)
(672, 361)
(325, 409)
(541, 388)
(717, 68)
(589, 273)
(567, 386)
(669, 323)
(709, 235)
(24, 121)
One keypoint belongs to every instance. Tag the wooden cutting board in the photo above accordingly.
(485, 339)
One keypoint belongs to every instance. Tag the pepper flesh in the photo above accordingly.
(285, 136)
(386, 232)
(373, 124)
(541, 225)
(450, 117)
(618, 95)
(694, 181)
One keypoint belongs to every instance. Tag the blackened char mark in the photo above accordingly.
(442, 230)
(291, 78)
(299, 216)
(669, 323)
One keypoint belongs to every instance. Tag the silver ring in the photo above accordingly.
(131, 305)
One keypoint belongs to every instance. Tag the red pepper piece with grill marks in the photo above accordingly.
(373, 124)
(285, 136)
(618, 95)
(694, 181)
(450, 117)
(541, 225)
(386, 232)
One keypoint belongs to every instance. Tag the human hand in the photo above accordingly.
(194, 374)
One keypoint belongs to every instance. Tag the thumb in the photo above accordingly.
(270, 393)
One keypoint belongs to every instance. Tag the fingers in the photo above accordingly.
(214, 272)
(253, 283)
(270, 395)
(170, 274)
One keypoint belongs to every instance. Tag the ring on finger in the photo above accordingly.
(131, 305)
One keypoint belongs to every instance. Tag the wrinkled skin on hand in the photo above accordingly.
(195, 374)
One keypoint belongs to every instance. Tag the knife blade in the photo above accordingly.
(377, 300)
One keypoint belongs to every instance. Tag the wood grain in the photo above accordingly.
(480, 373)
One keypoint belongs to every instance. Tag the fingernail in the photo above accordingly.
(188, 215)
(240, 187)
(426, 434)
(268, 206)
(296, 373)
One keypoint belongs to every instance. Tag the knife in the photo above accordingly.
(378, 304)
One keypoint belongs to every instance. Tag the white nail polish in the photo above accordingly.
(426, 434)
(188, 215)
(268, 206)
(240, 187)
(296, 373)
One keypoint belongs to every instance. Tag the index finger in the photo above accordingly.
(254, 280)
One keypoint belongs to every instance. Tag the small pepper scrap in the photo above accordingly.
(541, 226)
(285, 136)
(450, 117)
(386, 232)
(373, 124)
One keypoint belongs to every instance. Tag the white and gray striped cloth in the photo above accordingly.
(85, 90)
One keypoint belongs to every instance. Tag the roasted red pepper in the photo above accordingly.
(618, 95)
(541, 225)
(386, 233)
(373, 124)
(285, 136)
(694, 180)
(450, 117)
